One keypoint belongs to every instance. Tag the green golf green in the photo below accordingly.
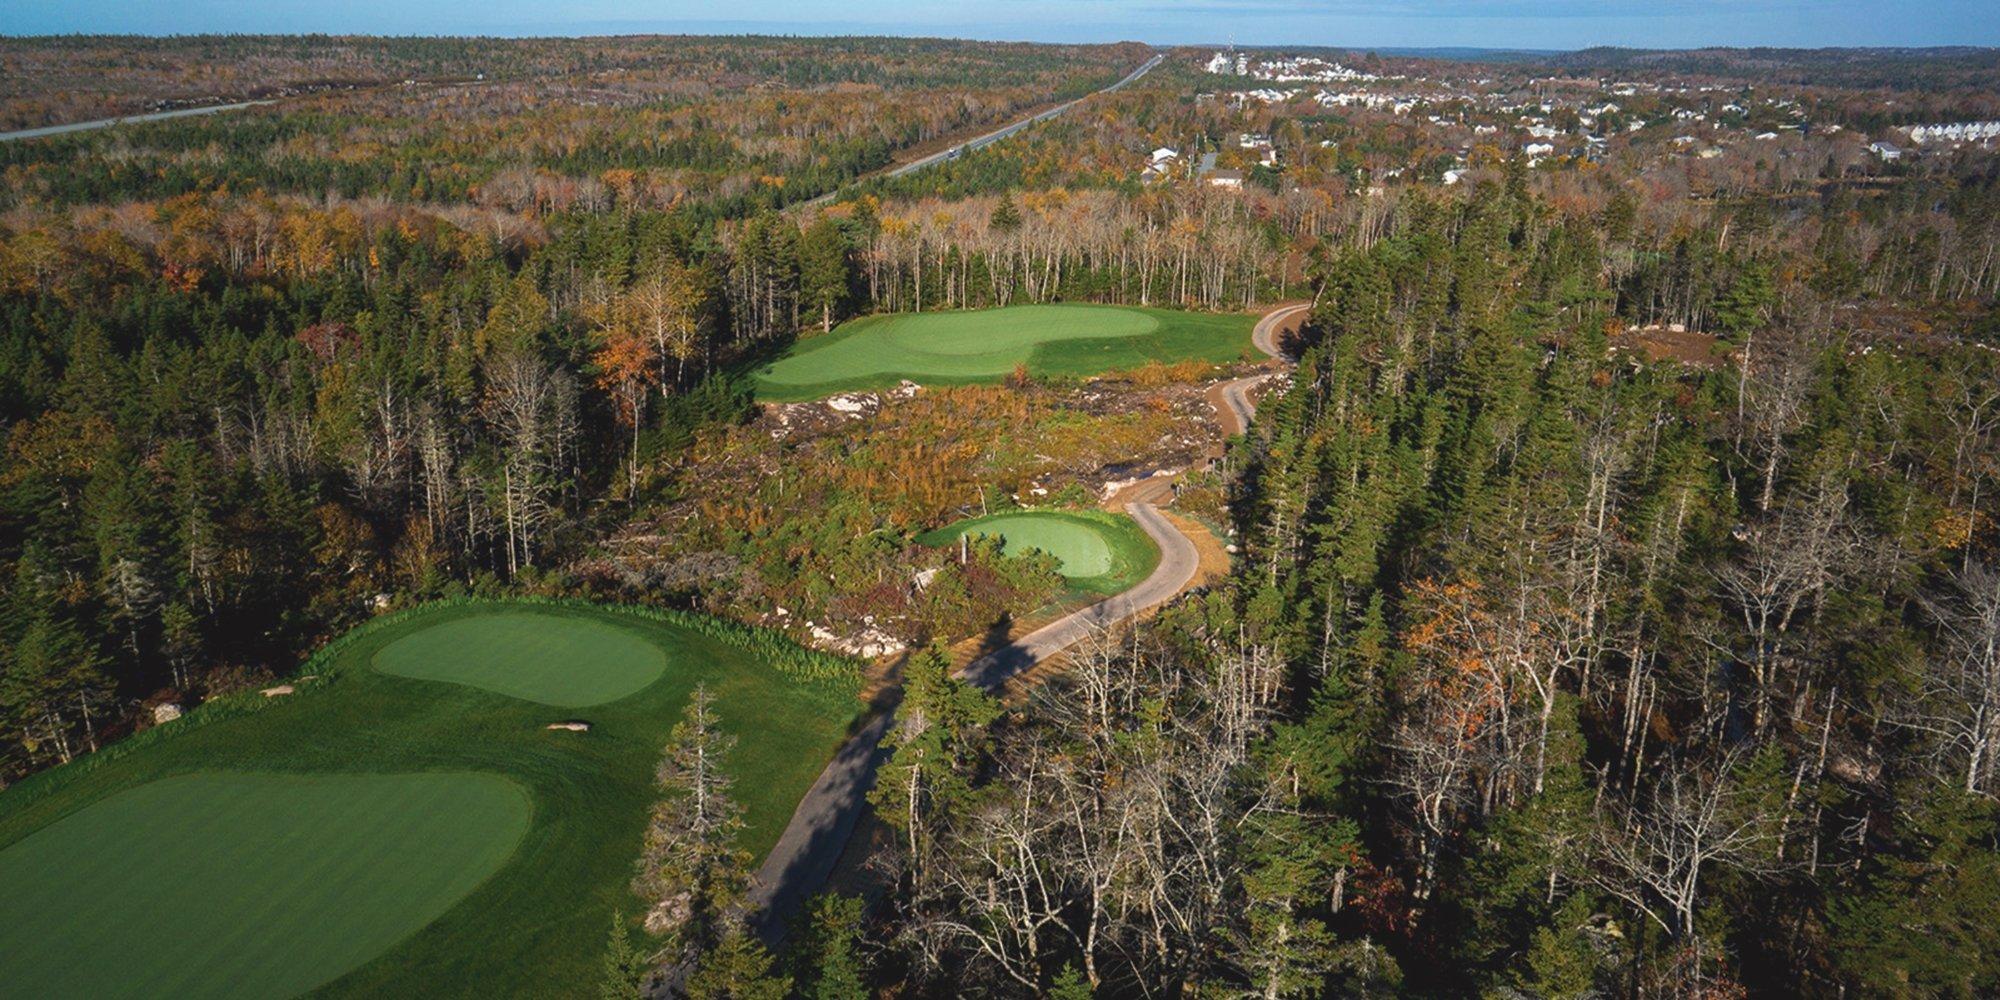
(1097, 552)
(244, 885)
(552, 659)
(375, 834)
(985, 345)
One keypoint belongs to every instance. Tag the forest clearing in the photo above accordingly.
(987, 345)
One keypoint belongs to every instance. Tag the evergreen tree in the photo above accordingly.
(624, 966)
(1925, 918)
(940, 732)
(1069, 984)
(830, 966)
(825, 269)
(1006, 218)
(737, 967)
(691, 871)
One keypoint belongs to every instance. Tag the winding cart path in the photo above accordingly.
(806, 854)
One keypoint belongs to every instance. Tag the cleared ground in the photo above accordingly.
(245, 885)
(552, 659)
(1099, 553)
(376, 835)
(986, 345)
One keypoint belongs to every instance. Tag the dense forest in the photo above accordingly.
(1615, 608)
(1544, 673)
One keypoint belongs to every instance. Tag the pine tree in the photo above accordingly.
(691, 871)
(825, 271)
(624, 965)
(939, 735)
(829, 967)
(1925, 918)
(1561, 965)
(1069, 984)
(1006, 218)
(736, 968)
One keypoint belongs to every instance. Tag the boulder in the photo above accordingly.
(278, 691)
(165, 712)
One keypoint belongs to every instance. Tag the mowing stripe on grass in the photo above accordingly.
(531, 927)
(220, 884)
(545, 657)
(1098, 552)
(985, 345)
(1079, 548)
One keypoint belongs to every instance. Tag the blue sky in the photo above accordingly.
(1539, 24)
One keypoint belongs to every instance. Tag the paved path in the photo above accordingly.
(1178, 562)
(1235, 410)
(157, 116)
(1265, 336)
(810, 847)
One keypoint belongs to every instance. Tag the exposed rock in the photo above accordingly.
(869, 643)
(277, 691)
(669, 914)
(165, 712)
(853, 404)
(571, 726)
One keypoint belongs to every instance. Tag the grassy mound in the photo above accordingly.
(237, 884)
(986, 345)
(532, 926)
(550, 658)
(1100, 553)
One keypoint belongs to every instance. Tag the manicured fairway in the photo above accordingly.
(1098, 552)
(552, 659)
(376, 835)
(985, 345)
(244, 885)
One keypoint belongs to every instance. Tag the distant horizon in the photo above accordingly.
(1533, 26)
(1411, 50)
(1218, 45)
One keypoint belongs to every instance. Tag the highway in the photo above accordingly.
(1001, 133)
(156, 116)
(996, 135)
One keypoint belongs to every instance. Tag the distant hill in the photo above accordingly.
(1952, 66)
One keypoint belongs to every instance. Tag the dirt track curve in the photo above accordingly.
(806, 854)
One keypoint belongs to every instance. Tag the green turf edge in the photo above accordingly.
(335, 661)
(1132, 550)
(420, 667)
(529, 816)
(813, 668)
(1174, 323)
